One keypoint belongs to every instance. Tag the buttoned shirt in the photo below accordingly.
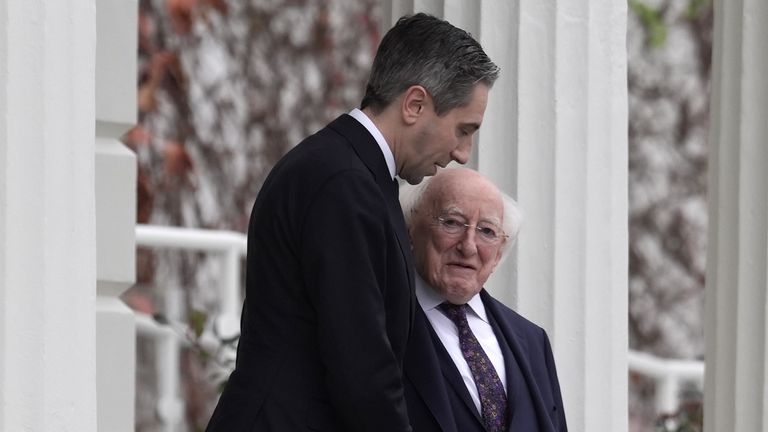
(446, 331)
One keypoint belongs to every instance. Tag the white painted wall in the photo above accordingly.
(47, 216)
(555, 137)
(736, 386)
(67, 215)
(116, 57)
(569, 172)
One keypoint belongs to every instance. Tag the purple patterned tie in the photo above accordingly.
(493, 399)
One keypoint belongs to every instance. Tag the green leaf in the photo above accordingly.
(695, 7)
(197, 320)
(652, 21)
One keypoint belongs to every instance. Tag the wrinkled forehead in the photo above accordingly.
(469, 201)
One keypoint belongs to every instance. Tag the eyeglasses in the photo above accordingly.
(486, 232)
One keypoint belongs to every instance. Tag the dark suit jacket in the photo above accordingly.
(438, 399)
(329, 294)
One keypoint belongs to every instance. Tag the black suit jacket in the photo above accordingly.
(438, 399)
(329, 294)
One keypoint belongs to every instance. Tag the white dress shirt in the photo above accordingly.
(446, 330)
(385, 150)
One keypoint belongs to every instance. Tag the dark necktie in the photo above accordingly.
(493, 399)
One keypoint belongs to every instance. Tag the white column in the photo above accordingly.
(47, 216)
(116, 57)
(555, 137)
(736, 384)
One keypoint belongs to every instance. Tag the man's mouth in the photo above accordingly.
(462, 265)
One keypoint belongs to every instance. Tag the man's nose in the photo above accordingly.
(461, 153)
(468, 242)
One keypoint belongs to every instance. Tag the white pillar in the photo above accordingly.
(555, 137)
(47, 216)
(116, 57)
(736, 384)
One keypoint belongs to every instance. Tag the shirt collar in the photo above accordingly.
(385, 150)
(429, 299)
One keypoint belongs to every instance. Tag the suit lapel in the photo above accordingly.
(403, 240)
(451, 374)
(514, 384)
(514, 343)
(423, 370)
(367, 149)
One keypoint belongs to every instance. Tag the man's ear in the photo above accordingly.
(414, 102)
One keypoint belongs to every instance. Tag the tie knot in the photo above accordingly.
(457, 313)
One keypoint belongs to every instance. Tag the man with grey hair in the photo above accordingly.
(329, 299)
(472, 364)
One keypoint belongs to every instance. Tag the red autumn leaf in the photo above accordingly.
(176, 159)
(162, 63)
(181, 12)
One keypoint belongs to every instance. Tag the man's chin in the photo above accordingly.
(414, 180)
(461, 297)
(459, 290)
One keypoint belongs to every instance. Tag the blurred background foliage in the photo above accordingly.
(668, 141)
(669, 49)
(226, 87)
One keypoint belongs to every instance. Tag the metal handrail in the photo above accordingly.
(233, 245)
(190, 238)
(669, 376)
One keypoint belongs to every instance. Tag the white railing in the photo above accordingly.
(230, 245)
(169, 338)
(669, 375)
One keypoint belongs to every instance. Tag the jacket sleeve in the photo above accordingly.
(344, 236)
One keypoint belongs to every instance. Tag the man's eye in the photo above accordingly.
(453, 223)
(487, 231)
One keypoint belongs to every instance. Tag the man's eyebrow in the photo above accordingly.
(473, 126)
(455, 211)
(452, 211)
(493, 220)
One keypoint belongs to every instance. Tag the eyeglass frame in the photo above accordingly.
(463, 227)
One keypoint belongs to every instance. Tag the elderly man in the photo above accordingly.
(472, 364)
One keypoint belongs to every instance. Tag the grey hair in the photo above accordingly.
(424, 50)
(411, 197)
